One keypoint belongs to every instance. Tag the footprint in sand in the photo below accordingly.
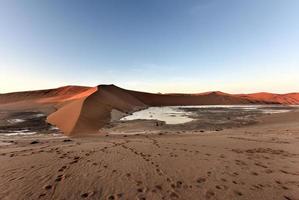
(179, 184)
(158, 187)
(41, 195)
(58, 178)
(288, 197)
(221, 187)
(201, 180)
(140, 190)
(48, 187)
(174, 195)
(284, 187)
(138, 183)
(223, 179)
(254, 173)
(67, 140)
(209, 194)
(111, 197)
(238, 193)
(120, 195)
(84, 195)
(62, 169)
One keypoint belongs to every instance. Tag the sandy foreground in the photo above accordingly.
(259, 161)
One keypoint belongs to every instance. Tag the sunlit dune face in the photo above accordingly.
(83, 94)
(63, 96)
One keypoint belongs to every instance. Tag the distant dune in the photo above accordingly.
(209, 98)
(290, 98)
(83, 110)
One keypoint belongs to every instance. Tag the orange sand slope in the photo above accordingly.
(45, 101)
(89, 114)
(291, 98)
(47, 96)
(85, 110)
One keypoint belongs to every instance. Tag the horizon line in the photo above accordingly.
(206, 91)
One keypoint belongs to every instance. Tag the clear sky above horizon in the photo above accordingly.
(235, 46)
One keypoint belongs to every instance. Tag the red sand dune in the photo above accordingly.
(90, 113)
(49, 95)
(290, 98)
(208, 98)
(86, 109)
(44, 100)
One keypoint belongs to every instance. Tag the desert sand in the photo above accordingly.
(144, 159)
(257, 161)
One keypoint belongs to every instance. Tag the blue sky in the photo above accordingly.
(236, 46)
